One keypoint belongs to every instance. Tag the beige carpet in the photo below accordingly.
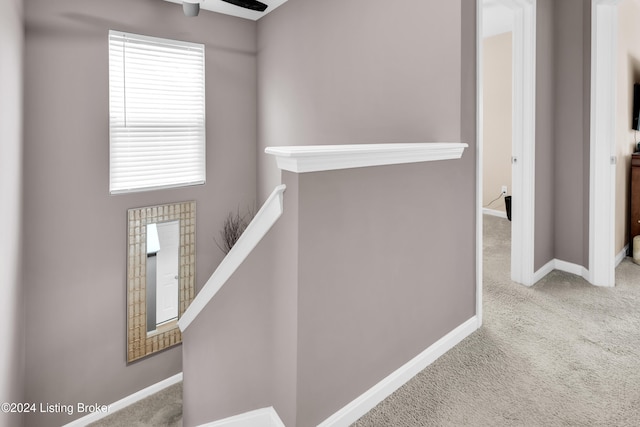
(561, 353)
(163, 409)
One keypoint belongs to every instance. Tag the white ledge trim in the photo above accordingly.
(315, 158)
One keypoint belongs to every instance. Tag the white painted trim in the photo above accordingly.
(495, 18)
(126, 401)
(494, 212)
(523, 150)
(604, 35)
(255, 231)
(557, 264)
(546, 269)
(314, 158)
(572, 268)
(479, 160)
(376, 394)
(265, 417)
(622, 255)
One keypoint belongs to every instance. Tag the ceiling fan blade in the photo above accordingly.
(249, 4)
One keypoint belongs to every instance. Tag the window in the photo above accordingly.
(156, 113)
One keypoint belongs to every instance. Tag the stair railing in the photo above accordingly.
(268, 214)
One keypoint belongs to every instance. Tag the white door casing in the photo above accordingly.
(604, 37)
(523, 142)
(604, 29)
(523, 148)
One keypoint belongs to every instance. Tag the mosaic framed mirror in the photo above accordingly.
(161, 270)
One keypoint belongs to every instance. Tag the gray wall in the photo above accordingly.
(562, 132)
(74, 231)
(240, 353)
(373, 251)
(571, 132)
(336, 72)
(383, 274)
(359, 275)
(468, 98)
(11, 301)
(544, 193)
(586, 127)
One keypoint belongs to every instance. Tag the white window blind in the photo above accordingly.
(157, 113)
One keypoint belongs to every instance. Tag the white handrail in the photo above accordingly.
(256, 230)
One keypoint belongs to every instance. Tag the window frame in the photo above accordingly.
(122, 135)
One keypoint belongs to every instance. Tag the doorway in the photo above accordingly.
(522, 15)
(497, 60)
(604, 28)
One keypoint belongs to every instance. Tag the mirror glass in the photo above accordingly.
(163, 256)
(160, 275)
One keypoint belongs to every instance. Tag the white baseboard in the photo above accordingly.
(557, 264)
(494, 212)
(376, 394)
(569, 267)
(265, 417)
(268, 417)
(546, 269)
(126, 401)
(622, 255)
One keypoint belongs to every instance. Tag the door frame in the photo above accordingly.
(523, 140)
(602, 181)
(523, 144)
(604, 33)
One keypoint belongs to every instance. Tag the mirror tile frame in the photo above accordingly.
(139, 343)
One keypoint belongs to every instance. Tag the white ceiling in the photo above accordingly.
(497, 18)
(220, 6)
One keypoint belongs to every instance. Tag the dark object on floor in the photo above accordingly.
(507, 204)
